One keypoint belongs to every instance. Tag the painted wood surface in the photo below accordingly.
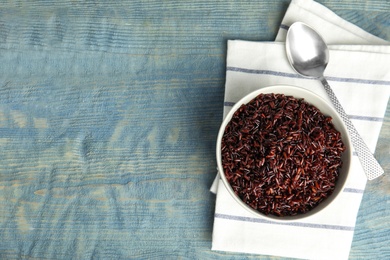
(109, 113)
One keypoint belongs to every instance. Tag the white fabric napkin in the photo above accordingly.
(359, 73)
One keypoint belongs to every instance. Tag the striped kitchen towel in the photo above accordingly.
(359, 73)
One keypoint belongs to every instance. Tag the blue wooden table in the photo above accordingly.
(109, 113)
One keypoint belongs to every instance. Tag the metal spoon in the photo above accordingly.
(309, 55)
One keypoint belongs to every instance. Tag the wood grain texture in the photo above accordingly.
(109, 113)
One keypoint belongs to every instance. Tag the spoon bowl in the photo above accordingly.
(308, 53)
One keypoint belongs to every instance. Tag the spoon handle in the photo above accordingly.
(370, 164)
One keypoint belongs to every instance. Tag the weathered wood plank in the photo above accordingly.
(108, 118)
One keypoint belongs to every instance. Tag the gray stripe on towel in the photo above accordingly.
(293, 75)
(295, 224)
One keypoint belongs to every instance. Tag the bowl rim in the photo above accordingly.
(297, 92)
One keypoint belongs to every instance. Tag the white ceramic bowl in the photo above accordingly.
(326, 109)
